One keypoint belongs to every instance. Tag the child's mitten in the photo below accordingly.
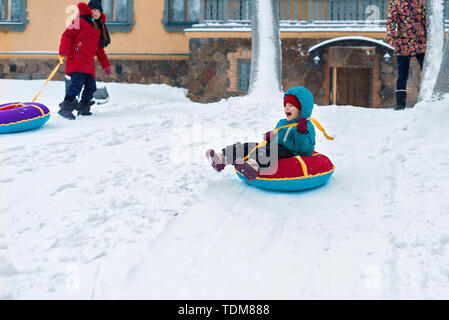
(302, 125)
(270, 135)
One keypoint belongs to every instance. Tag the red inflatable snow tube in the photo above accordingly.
(295, 174)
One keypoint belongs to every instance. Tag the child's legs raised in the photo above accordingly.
(89, 88)
(265, 156)
(268, 155)
(237, 151)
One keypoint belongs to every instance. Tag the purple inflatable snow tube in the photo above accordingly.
(17, 116)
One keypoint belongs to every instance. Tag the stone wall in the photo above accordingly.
(27, 69)
(209, 66)
(212, 70)
(211, 74)
(298, 68)
(170, 72)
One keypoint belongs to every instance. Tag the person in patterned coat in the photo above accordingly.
(406, 32)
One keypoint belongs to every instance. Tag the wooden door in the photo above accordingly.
(353, 86)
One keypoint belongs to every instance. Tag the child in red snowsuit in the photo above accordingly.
(84, 39)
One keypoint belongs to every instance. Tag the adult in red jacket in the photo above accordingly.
(84, 39)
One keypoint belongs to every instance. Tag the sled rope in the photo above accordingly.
(313, 120)
(52, 74)
(256, 147)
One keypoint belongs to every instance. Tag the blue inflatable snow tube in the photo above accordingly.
(295, 174)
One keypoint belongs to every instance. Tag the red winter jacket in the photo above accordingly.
(80, 42)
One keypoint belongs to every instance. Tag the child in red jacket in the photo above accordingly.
(84, 39)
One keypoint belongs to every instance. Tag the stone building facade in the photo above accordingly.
(212, 73)
(213, 70)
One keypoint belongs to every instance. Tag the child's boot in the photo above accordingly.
(217, 161)
(67, 108)
(249, 168)
(84, 108)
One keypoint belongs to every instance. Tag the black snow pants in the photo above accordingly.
(264, 156)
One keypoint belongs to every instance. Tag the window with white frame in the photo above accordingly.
(119, 15)
(180, 14)
(13, 15)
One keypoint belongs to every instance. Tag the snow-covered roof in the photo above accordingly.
(358, 38)
(290, 26)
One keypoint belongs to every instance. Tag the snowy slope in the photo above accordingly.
(123, 204)
(377, 230)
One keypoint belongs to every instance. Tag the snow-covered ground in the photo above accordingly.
(124, 205)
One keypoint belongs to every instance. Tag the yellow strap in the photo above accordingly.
(258, 146)
(318, 125)
(40, 109)
(61, 61)
(283, 127)
(265, 141)
(303, 165)
(313, 120)
(10, 105)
